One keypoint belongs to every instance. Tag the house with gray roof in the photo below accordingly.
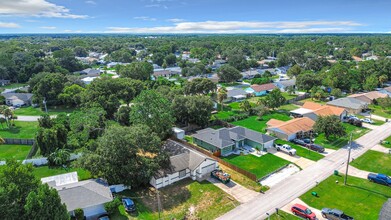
(234, 95)
(184, 163)
(18, 99)
(352, 105)
(89, 195)
(90, 72)
(224, 141)
(284, 84)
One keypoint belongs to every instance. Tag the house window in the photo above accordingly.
(182, 173)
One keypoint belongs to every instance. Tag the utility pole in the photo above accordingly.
(347, 164)
(44, 102)
(159, 205)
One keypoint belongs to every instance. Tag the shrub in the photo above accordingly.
(79, 214)
(112, 206)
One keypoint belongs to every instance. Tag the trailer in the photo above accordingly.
(221, 176)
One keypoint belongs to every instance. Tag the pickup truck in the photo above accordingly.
(286, 148)
(221, 176)
(380, 178)
(335, 214)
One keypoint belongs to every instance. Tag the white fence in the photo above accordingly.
(43, 160)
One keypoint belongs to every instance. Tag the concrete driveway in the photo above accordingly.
(239, 192)
(299, 161)
(380, 148)
(288, 207)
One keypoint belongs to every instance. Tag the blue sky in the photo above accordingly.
(197, 16)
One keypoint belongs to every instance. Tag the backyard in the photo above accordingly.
(336, 143)
(260, 166)
(17, 152)
(301, 151)
(257, 124)
(374, 161)
(359, 198)
(22, 129)
(45, 171)
(387, 142)
(204, 200)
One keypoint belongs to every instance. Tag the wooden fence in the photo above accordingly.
(219, 160)
(298, 98)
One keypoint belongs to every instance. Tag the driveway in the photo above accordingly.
(380, 148)
(369, 126)
(354, 172)
(288, 207)
(299, 183)
(299, 161)
(240, 193)
(30, 118)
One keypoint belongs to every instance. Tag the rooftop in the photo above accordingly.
(293, 126)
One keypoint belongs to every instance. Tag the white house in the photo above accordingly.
(184, 163)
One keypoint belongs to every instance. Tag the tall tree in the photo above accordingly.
(48, 88)
(330, 126)
(137, 70)
(274, 99)
(307, 80)
(294, 71)
(199, 86)
(228, 74)
(221, 96)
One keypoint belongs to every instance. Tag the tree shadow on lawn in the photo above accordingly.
(368, 190)
(12, 130)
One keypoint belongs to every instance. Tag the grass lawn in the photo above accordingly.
(17, 152)
(45, 171)
(255, 124)
(288, 96)
(377, 110)
(31, 111)
(375, 122)
(283, 216)
(243, 180)
(389, 142)
(22, 129)
(374, 161)
(302, 152)
(360, 198)
(336, 143)
(260, 166)
(313, 100)
(288, 107)
(207, 201)
(13, 86)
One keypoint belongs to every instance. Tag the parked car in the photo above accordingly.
(316, 147)
(355, 121)
(300, 142)
(380, 178)
(104, 217)
(335, 214)
(286, 148)
(129, 204)
(367, 120)
(303, 212)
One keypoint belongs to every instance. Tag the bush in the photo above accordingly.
(236, 117)
(79, 214)
(112, 207)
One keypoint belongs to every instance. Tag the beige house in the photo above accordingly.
(289, 130)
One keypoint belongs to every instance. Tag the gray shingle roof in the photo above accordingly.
(235, 92)
(224, 137)
(348, 102)
(26, 97)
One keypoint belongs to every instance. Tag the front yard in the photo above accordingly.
(31, 111)
(377, 110)
(301, 151)
(336, 143)
(204, 200)
(360, 198)
(17, 152)
(260, 166)
(22, 129)
(243, 180)
(259, 124)
(387, 142)
(374, 161)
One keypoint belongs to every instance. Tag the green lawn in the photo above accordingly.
(260, 166)
(288, 107)
(207, 201)
(389, 142)
(45, 171)
(243, 180)
(13, 86)
(377, 110)
(256, 124)
(336, 143)
(374, 161)
(17, 152)
(288, 96)
(31, 111)
(283, 216)
(22, 129)
(375, 122)
(313, 100)
(302, 152)
(359, 198)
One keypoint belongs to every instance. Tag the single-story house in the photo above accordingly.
(88, 80)
(4, 82)
(234, 95)
(90, 72)
(224, 141)
(284, 84)
(282, 69)
(249, 74)
(289, 130)
(352, 105)
(369, 97)
(386, 90)
(18, 99)
(184, 163)
(89, 195)
(165, 73)
(385, 212)
(260, 90)
(314, 110)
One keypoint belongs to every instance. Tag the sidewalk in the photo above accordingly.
(369, 126)
(380, 148)
(354, 172)
(239, 192)
(299, 161)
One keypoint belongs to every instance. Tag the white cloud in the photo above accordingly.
(144, 18)
(175, 20)
(73, 31)
(9, 25)
(35, 8)
(90, 2)
(156, 6)
(245, 27)
(48, 27)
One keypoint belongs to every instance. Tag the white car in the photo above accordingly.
(286, 148)
(367, 120)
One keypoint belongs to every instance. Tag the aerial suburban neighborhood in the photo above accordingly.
(180, 110)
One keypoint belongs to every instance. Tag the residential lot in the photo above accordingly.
(302, 152)
(283, 216)
(359, 198)
(385, 144)
(203, 200)
(259, 124)
(31, 111)
(374, 161)
(260, 166)
(45, 171)
(243, 180)
(23, 130)
(17, 152)
(377, 110)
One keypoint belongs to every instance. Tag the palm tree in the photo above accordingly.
(221, 95)
(59, 157)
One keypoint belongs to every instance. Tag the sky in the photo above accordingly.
(196, 16)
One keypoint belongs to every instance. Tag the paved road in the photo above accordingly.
(299, 183)
(30, 118)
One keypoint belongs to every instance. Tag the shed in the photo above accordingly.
(178, 133)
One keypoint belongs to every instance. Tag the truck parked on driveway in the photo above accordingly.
(286, 148)
(221, 176)
(335, 214)
(380, 178)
